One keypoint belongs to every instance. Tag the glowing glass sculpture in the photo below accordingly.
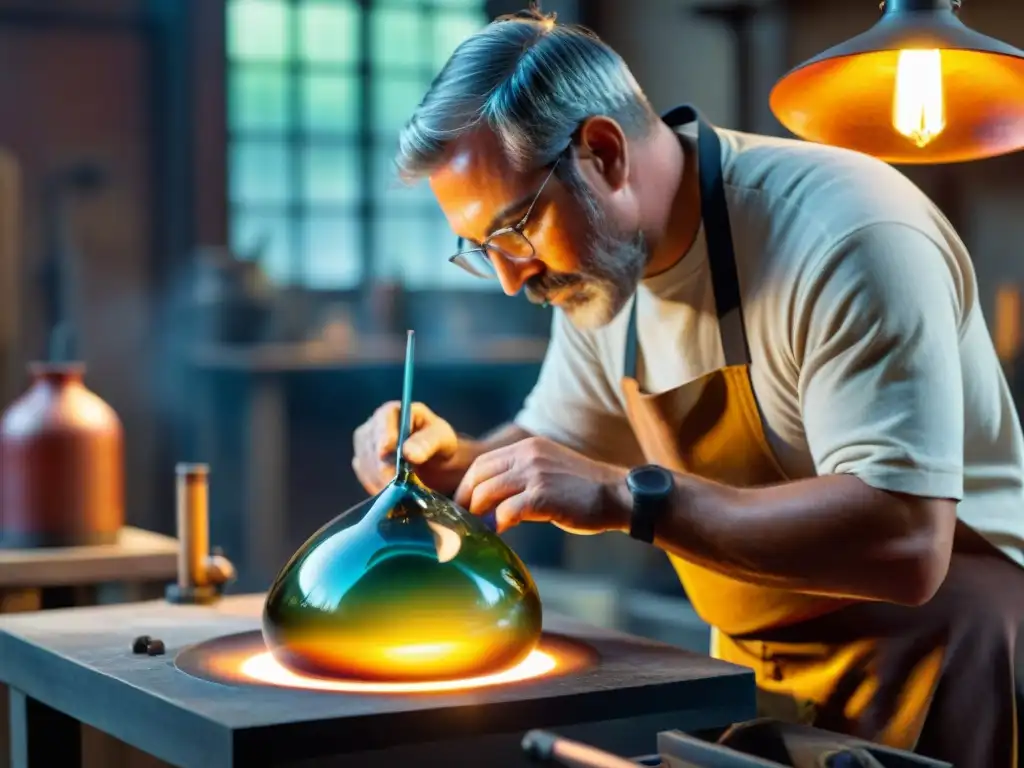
(406, 586)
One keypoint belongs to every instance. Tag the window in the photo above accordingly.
(318, 91)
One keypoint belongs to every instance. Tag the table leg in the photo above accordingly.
(266, 478)
(42, 737)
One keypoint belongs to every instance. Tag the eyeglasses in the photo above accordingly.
(508, 242)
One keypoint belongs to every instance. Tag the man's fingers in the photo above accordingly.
(420, 417)
(491, 492)
(524, 507)
(376, 440)
(387, 419)
(423, 445)
(369, 479)
(484, 468)
(515, 510)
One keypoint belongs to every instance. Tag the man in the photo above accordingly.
(768, 359)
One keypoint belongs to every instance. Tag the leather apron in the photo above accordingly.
(904, 677)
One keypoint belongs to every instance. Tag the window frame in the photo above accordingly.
(368, 142)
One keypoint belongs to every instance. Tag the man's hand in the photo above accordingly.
(432, 446)
(538, 480)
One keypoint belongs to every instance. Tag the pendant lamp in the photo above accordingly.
(918, 87)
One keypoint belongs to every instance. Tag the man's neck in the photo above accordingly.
(675, 190)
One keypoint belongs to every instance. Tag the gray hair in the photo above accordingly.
(530, 81)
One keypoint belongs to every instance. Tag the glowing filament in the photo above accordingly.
(919, 111)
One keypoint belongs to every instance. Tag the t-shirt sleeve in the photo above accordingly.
(574, 403)
(877, 345)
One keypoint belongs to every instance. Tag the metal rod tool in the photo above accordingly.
(405, 415)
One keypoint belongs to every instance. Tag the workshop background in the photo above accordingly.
(245, 264)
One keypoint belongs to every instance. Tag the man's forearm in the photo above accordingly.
(832, 535)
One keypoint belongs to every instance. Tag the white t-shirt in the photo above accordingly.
(870, 354)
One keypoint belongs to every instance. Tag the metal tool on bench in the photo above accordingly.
(757, 744)
(547, 748)
(202, 574)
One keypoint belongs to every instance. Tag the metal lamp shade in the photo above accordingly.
(844, 96)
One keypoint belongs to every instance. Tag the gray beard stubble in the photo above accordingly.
(613, 268)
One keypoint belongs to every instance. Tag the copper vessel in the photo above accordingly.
(61, 464)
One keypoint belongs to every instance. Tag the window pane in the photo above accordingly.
(449, 276)
(404, 250)
(392, 190)
(330, 103)
(415, 247)
(397, 37)
(259, 172)
(331, 174)
(255, 234)
(258, 29)
(258, 99)
(449, 30)
(329, 32)
(333, 259)
(394, 100)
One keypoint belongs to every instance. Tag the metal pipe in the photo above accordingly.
(547, 748)
(202, 574)
(193, 521)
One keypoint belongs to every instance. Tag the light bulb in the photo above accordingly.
(919, 110)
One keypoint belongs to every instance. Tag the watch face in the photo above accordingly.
(651, 480)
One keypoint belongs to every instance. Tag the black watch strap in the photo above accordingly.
(642, 523)
(651, 488)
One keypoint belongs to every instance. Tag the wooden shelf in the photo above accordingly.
(138, 556)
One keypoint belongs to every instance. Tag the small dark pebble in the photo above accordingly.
(155, 648)
(140, 643)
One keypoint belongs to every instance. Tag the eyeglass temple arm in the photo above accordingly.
(461, 241)
(540, 191)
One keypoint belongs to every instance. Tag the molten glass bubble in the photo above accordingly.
(406, 586)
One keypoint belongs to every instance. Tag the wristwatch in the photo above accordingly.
(651, 487)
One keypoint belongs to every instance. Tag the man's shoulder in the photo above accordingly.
(800, 186)
(793, 204)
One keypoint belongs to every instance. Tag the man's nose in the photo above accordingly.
(513, 274)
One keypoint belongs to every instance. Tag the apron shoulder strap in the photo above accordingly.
(721, 254)
(725, 280)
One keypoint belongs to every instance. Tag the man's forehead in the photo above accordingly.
(478, 151)
(476, 180)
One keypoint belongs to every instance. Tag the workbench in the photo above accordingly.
(71, 667)
(136, 567)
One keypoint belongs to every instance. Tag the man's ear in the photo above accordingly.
(602, 142)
